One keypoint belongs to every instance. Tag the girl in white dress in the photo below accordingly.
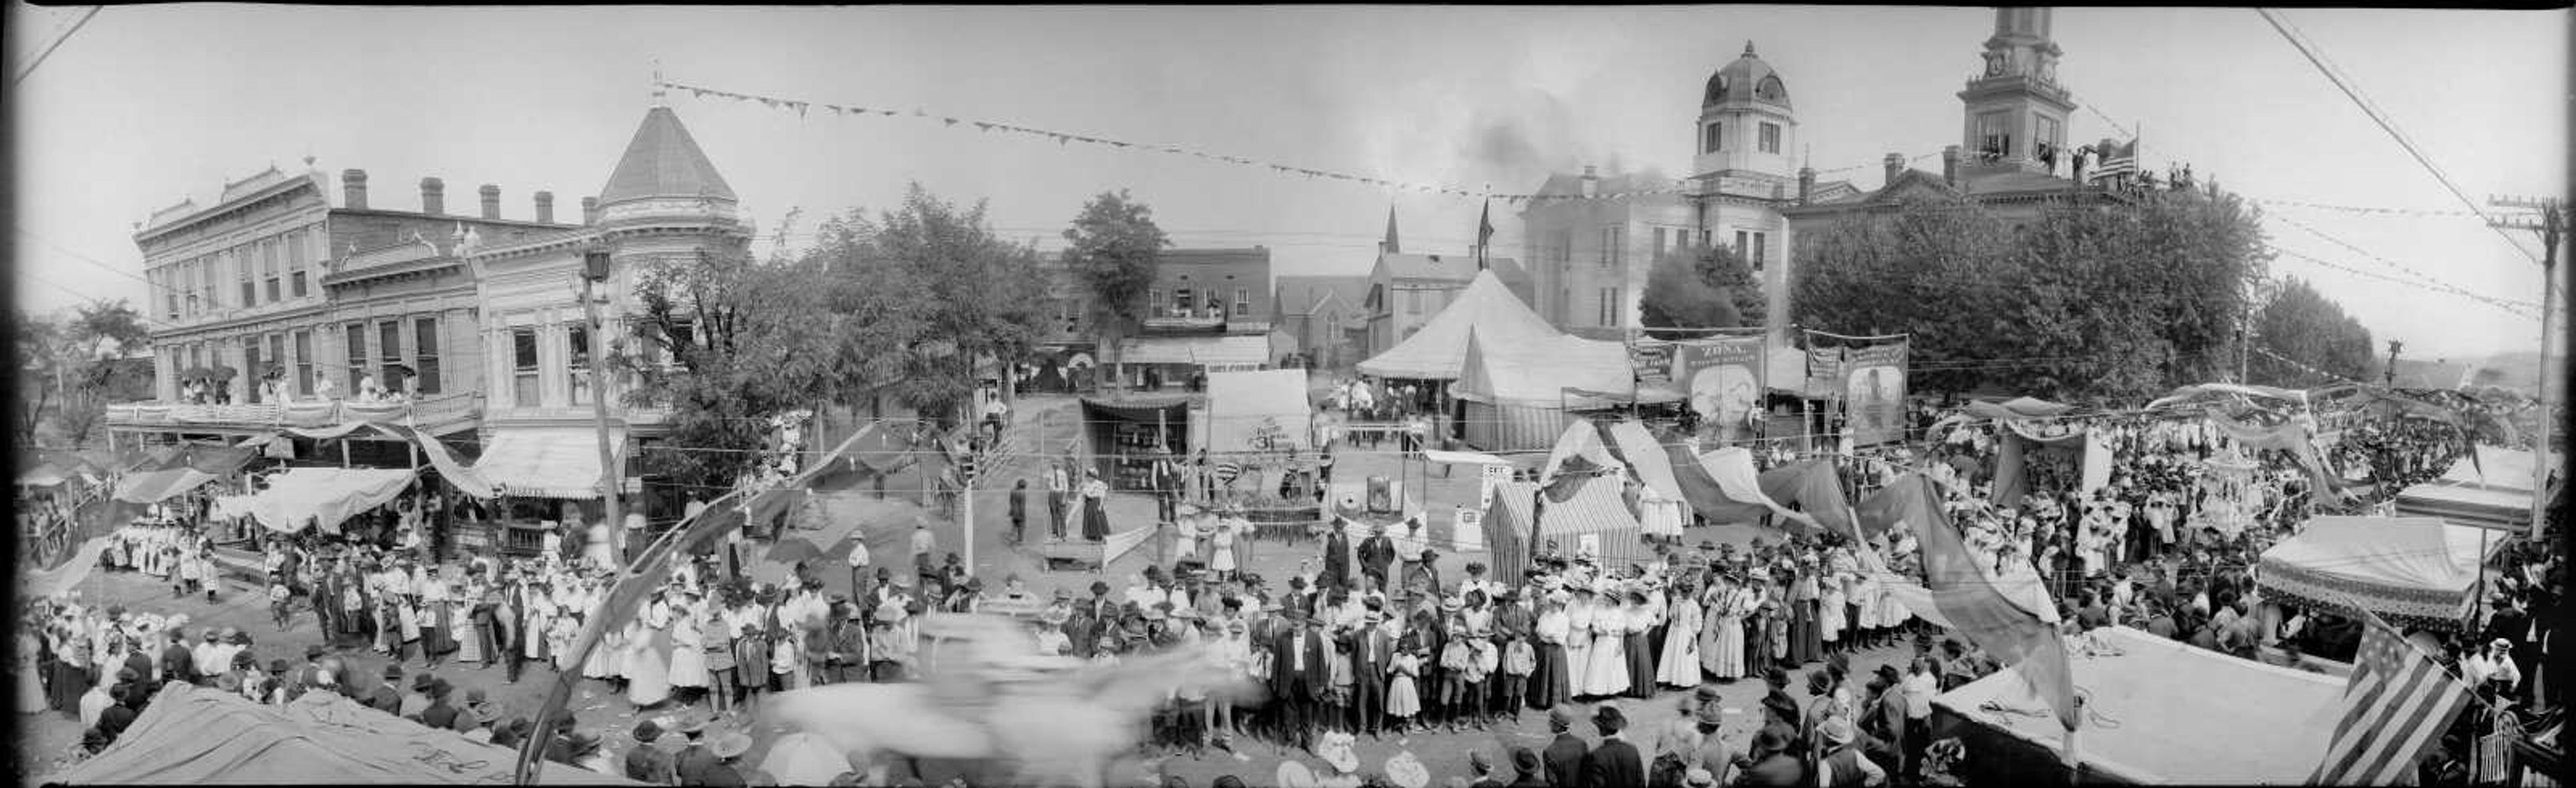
(648, 675)
(688, 644)
(469, 643)
(1221, 548)
(1680, 666)
(1723, 653)
(1832, 616)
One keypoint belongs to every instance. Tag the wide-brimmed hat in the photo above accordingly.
(582, 743)
(1340, 751)
(1836, 730)
(731, 745)
(647, 731)
(393, 672)
(1609, 715)
(423, 682)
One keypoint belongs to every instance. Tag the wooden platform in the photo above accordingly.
(1068, 555)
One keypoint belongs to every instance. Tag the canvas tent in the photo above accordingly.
(2416, 571)
(1438, 351)
(1258, 411)
(1521, 397)
(1578, 512)
(298, 498)
(2240, 722)
(196, 736)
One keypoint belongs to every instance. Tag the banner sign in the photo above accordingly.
(1724, 380)
(1467, 530)
(1873, 390)
(1824, 371)
(1494, 476)
(1651, 359)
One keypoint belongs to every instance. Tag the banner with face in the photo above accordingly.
(1725, 383)
(1874, 393)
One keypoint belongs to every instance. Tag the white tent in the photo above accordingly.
(2412, 570)
(1439, 350)
(1539, 373)
(1258, 411)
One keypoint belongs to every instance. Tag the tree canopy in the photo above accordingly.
(68, 363)
(1713, 288)
(2092, 302)
(2311, 331)
(1114, 242)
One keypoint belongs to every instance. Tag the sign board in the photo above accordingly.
(1467, 531)
(1651, 360)
(1588, 544)
(1824, 370)
(1873, 390)
(1724, 380)
(1493, 477)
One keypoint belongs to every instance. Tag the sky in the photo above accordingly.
(148, 105)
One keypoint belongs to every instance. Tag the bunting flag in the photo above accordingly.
(1064, 138)
(1977, 608)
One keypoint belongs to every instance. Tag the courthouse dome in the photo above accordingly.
(1744, 81)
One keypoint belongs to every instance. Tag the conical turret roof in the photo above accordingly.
(663, 161)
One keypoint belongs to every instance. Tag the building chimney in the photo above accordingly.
(1806, 184)
(1591, 180)
(1895, 166)
(491, 201)
(433, 196)
(589, 210)
(1950, 166)
(545, 207)
(353, 189)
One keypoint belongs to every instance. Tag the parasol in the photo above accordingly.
(804, 759)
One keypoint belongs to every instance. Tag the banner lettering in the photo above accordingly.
(1724, 380)
(1873, 392)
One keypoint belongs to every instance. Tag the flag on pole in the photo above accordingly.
(1484, 232)
(2118, 160)
(2398, 703)
(1978, 609)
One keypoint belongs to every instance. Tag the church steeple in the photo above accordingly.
(1389, 246)
(2016, 112)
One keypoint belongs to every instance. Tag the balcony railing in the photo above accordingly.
(310, 414)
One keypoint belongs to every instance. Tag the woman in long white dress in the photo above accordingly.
(688, 644)
(1832, 614)
(469, 641)
(1221, 547)
(1606, 667)
(648, 674)
(31, 687)
(1579, 615)
(1680, 664)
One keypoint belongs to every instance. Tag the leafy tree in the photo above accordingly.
(2302, 325)
(2093, 302)
(925, 293)
(1114, 244)
(69, 363)
(725, 342)
(1713, 289)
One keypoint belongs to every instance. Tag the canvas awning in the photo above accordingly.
(40, 476)
(1258, 411)
(1467, 457)
(2413, 570)
(193, 735)
(2471, 506)
(300, 498)
(1227, 351)
(546, 462)
(2496, 468)
(178, 469)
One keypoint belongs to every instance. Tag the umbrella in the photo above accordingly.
(804, 759)
(793, 549)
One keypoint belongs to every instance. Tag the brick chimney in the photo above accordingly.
(491, 200)
(433, 196)
(353, 189)
(1591, 180)
(1895, 166)
(545, 207)
(1806, 184)
(589, 210)
(1950, 166)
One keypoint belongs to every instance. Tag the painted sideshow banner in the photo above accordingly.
(1725, 379)
(1652, 360)
(1824, 372)
(1874, 393)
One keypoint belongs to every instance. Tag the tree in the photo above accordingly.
(1712, 289)
(725, 342)
(928, 292)
(2311, 331)
(71, 363)
(2093, 302)
(1114, 244)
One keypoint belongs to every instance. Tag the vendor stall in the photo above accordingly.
(1581, 514)
(1125, 432)
(2229, 721)
(2415, 571)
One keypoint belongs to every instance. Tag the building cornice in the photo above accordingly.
(201, 216)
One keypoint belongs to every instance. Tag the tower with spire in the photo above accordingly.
(1389, 246)
(2014, 110)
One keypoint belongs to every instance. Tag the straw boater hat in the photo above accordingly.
(732, 745)
(1339, 750)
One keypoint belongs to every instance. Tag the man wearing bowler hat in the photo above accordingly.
(1565, 754)
(1300, 674)
(1615, 763)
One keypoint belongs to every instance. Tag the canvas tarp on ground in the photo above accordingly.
(2183, 716)
(2417, 571)
(2495, 468)
(1438, 350)
(299, 498)
(1258, 411)
(195, 736)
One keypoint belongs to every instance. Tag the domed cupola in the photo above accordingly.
(1744, 81)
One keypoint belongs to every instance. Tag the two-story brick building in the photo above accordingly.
(1208, 310)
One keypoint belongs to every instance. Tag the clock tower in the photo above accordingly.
(2015, 110)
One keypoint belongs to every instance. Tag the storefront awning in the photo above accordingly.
(300, 498)
(545, 463)
(1202, 351)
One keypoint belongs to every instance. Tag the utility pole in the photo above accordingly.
(2553, 221)
(594, 270)
(2389, 376)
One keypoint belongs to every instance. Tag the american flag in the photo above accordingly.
(2398, 703)
(2118, 160)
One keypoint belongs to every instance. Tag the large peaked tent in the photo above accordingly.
(1439, 350)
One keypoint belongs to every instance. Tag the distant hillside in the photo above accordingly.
(2517, 371)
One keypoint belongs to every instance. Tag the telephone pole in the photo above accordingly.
(2552, 222)
(2389, 376)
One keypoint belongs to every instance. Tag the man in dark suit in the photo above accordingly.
(1337, 556)
(387, 697)
(178, 663)
(1532, 773)
(1564, 756)
(1377, 555)
(693, 760)
(1771, 765)
(439, 714)
(1369, 647)
(1616, 763)
(1299, 675)
(511, 618)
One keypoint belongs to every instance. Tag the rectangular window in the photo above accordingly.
(298, 255)
(1714, 139)
(1770, 138)
(304, 363)
(578, 364)
(1242, 301)
(1707, 238)
(357, 336)
(270, 252)
(523, 367)
(1761, 250)
(1743, 242)
(277, 357)
(2044, 143)
(390, 355)
(1152, 297)
(1994, 135)
(424, 343)
(1412, 301)
(1181, 302)
(169, 294)
(250, 372)
(1659, 243)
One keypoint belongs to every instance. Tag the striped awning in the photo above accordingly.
(1202, 351)
(546, 462)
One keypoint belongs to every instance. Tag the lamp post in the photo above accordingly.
(594, 269)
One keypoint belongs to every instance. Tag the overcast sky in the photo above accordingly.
(147, 105)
